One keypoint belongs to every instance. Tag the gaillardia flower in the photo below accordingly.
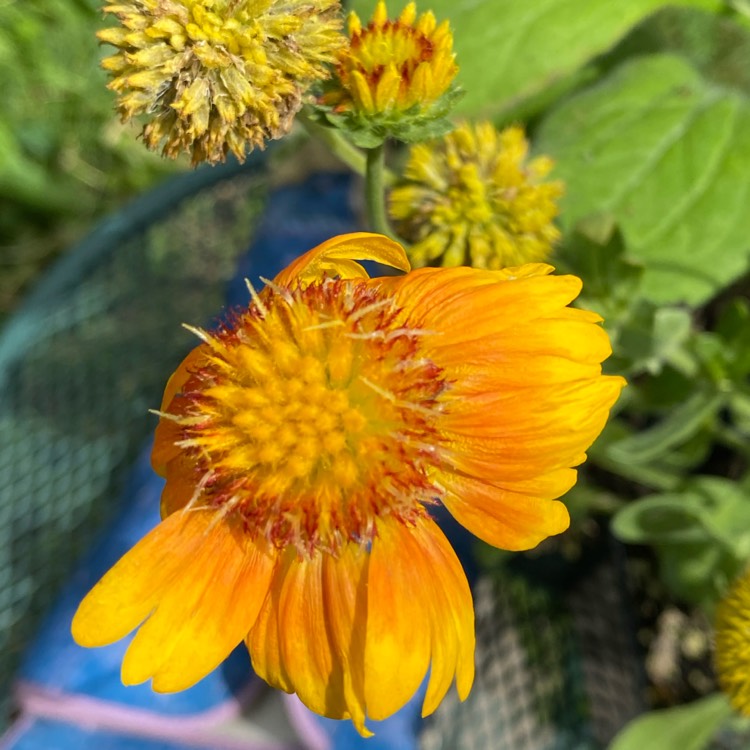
(215, 76)
(304, 446)
(472, 197)
(732, 657)
(394, 74)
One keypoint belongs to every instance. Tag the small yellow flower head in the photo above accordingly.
(474, 198)
(733, 644)
(394, 65)
(215, 76)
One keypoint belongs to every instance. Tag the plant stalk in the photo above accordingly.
(336, 142)
(375, 191)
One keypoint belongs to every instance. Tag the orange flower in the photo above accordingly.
(303, 447)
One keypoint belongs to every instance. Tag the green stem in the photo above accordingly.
(375, 191)
(339, 146)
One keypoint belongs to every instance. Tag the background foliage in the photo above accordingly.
(64, 157)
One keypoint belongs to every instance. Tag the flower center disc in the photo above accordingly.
(314, 415)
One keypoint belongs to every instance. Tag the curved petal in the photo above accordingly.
(181, 485)
(400, 608)
(566, 411)
(210, 604)
(182, 374)
(336, 256)
(440, 299)
(264, 639)
(200, 583)
(345, 601)
(539, 431)
(315, 672)
(525, 395)
(452, 619)
(308, 638)
(501, 517)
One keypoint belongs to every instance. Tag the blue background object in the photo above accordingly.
(296, 219)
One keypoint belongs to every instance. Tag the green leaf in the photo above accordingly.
(667, 155)
(695, 573)
(659, 519)
(681, 728)
(706, 508)
(727, 512)
(659, 475)
(716, 45)
(701, 535)
(595, 253)
(680, 425)
(739, 408)
(733, 329)
(510, 50)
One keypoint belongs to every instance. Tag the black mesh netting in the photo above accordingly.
(89, 353)
(557, 667)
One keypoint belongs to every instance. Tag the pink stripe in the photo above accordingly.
(92, 713)
(301, 718)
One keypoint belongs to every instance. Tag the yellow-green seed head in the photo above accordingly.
(214, 76)
(474, 198)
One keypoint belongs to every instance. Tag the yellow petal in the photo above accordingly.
(192, 362)
(345, 601)
(205, 615)
(397, 641)
(452, 618)
(314, 671)
(506, 519)
(181, 484)
(127, 594)
(387, 89)
(263, 640)
(326, 259)
(408, 14)
(168, 431)
(380, 16)
(520, 440)
(442, 299)
(361, 92)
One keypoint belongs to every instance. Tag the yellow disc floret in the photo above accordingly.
(312, 416)
(733, 644)
(474, 198)
(215, 76)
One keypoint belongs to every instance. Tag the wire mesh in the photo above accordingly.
(556, 667)
(86, 357)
